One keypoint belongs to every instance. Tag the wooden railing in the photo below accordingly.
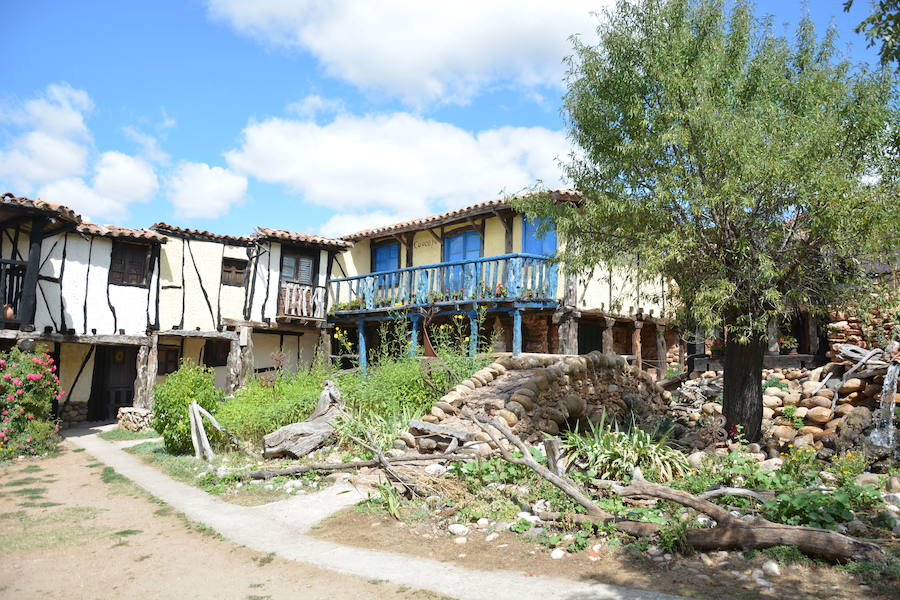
(301, 301)
(12, 276)
(505, 278)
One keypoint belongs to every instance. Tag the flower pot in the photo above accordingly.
(8, 311)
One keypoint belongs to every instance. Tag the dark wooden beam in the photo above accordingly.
(28, 303)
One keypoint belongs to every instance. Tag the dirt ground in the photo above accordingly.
(687, 577)
(71, 528)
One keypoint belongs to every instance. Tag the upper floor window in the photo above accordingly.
(462, 246)
(533, 242)
(297, 268)
(386, 257)
(129, 264)
(233, 271)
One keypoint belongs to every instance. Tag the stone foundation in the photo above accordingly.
(134, 419)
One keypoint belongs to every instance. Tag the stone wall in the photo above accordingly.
(873, 331)
(537, 394)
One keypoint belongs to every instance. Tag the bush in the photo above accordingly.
(171, 398)
(28, 387)
(614, 453)
(261, 407)
(820, 509)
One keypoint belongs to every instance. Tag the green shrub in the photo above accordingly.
(28, 386)
(820, 509)
(171, 398)
(261, 407)
(777, 383)
(614, 453)
(847, 466)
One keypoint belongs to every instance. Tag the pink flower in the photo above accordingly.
(5, 412)
(33, 377)
(53, 369)
(19, 392)
(3, 435)
(7, 377)
(21, 410)
(30, 417)
(29, 439)
(17, 381)
(10, 398)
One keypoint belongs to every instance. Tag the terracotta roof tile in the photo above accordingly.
(114, 231)
(167, 229)
(64, 213)
(453, 215)
(303, 238)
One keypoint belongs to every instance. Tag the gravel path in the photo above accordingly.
(280, 528)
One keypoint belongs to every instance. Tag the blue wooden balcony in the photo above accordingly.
(519, 279)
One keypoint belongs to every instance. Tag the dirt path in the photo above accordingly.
(71, 528)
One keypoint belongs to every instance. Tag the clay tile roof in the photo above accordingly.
(63, 213)
(302, 238)
(114, 231)
(454, 215)
(174, 231)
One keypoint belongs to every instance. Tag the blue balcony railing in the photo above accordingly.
(505, 278)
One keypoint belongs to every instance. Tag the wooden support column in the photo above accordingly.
(772, 346)
(28, 303)
(608, 335)
(141, 385)
(325, 339)
(636, 344)
(517, 332)
(361, 344)
(414, 334)
(567, 332)
(473, 333)
(248, 362)
(661, 351)
(233, 377)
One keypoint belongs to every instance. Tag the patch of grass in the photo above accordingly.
(32, 493)
(264, 560)
(165, 511)
(30, 504)
(121, 543)
(255, 597)
(23, 481)
(256, 585)
(125, 532)
(32, 469)
(884, 577)
(51, 529)
(142, 557)
(78, 450)
(109, 475)
(785, 555)
(121, 435)
(93, 465)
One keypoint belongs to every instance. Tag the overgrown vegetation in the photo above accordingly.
(28, 386)
(190, 383)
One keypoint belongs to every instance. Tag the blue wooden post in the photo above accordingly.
(361, 334)
(473, 333)
(414, 335)
(517, 331)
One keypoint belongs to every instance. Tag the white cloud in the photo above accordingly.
(125, 178)
(51, 151)
(313, 106)
(344, 223)
(422, 51)
(198, 190)
(149, 146)
(395, 165)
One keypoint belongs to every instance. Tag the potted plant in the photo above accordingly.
(788, 344)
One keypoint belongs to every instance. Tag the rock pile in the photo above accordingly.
(75, 412)
(847, 328)
(537, 394)
(134, 419)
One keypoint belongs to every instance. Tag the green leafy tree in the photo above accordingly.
(752, 170)
(882, 27)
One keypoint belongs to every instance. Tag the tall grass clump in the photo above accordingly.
(171, 398)
(614, 452)
(266, 403)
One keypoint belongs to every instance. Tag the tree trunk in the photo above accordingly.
(742, 401)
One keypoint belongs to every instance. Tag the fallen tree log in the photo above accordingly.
(348, 466)
(299, 439)
(730, 532)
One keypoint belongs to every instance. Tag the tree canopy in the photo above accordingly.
(882, 27)
(756, 171)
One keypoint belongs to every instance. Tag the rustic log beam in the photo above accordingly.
(348, 466)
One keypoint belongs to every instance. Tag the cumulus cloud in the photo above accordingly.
(422, 51)
(198, 190)
(313, 106)
(50, 154)
(395, 165)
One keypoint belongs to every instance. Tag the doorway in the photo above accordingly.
(115, 369)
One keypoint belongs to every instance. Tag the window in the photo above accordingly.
(167, 359)
(297, 268)
(535, 243)
(129, 264)
(233, 271)
(386, 257)
(461, 246)
(215, 353)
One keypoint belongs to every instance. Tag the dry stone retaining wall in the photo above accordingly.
(541, 393)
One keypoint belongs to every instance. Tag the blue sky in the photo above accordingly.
(324, 116)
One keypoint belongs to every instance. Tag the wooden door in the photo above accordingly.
(114, 374)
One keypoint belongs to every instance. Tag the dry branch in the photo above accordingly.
(299, 439)
(346, 466)
(729, 533)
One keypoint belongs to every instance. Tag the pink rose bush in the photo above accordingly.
(28, 386)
